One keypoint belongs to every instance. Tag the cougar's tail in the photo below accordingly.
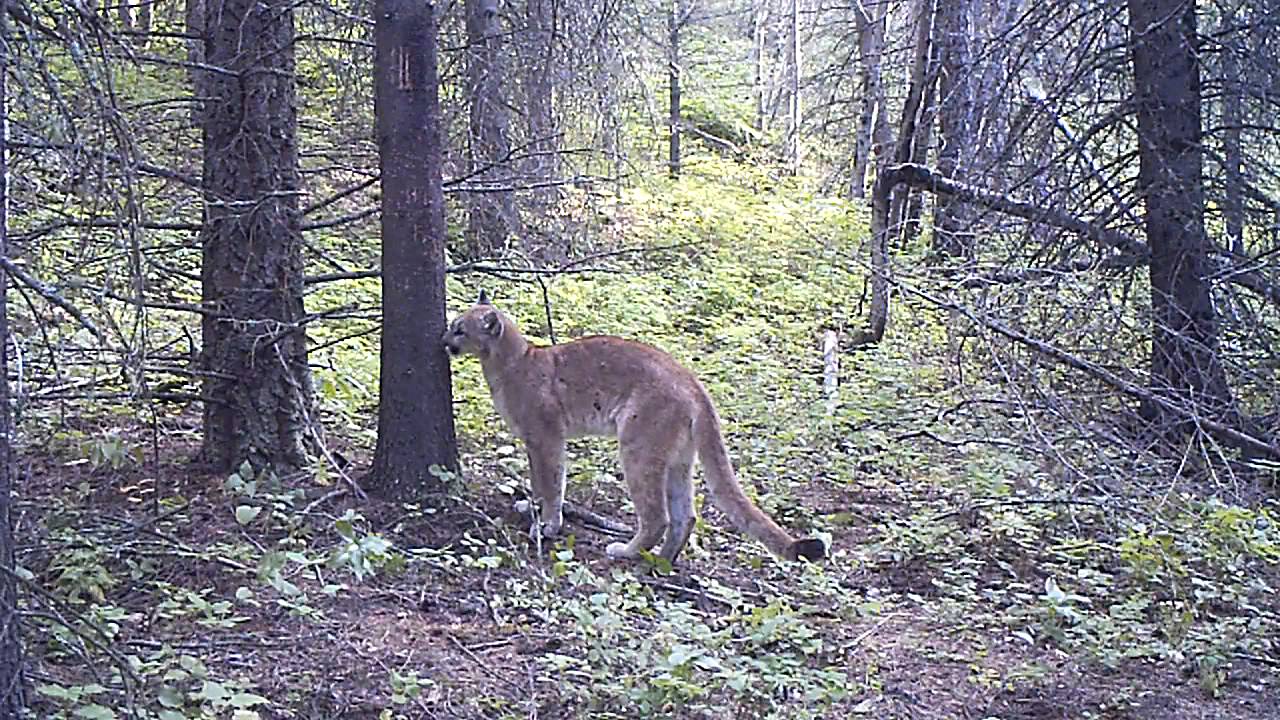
(727, 493)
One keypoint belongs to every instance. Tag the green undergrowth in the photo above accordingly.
(949, 522)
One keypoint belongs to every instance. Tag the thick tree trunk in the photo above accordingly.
(415, 409)
(673, 88)
(1184, 355)
(12, 684)
(257, 384)
(951, 234)
(492, 217)
(872, 123)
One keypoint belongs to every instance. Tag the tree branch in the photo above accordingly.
(48, 292)
(921, 177)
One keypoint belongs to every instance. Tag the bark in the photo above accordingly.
(1185, 363)
(909, 130)
(12, 684)
(195, 56)
(1232, 152)
(415, 410)
(951, 234)
(872, 123)
(492, 217)
(541, 30)
(759, 91)
(878, 314)
(793, 88)
(673, 88)
(257, 383)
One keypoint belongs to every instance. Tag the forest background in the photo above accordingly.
(987, 292)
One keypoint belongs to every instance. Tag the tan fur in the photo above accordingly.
(660, 413)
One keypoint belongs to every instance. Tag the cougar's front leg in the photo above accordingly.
(546, 468)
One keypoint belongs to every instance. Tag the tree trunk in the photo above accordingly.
(878, 314)
(492, 217)
(195, 56)
(1184, 350)
(258, 386)
(1232, 151)
(911, 208)
(12, 684)
(673, 88)
(871, 32)
(542, 164)
(415, 409)
(909, 129)
(759, 92)
(951, 234)
(793, 88)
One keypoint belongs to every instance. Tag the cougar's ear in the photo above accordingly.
(491, 323)
(483, 299)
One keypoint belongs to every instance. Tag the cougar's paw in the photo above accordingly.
(617, 551)
(544, 530)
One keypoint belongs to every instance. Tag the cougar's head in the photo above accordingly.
(474, 332)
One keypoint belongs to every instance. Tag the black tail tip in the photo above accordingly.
(811, 549)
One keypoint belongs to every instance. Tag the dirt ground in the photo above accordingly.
(914, 658)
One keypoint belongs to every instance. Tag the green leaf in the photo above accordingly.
(170, 697)
(345, 529)
(95, 712)
(214, 692)
(193, 665)
(247, 700)
(246, 513)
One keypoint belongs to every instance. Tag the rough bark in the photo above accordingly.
(1185, 363)
(256, 381)
(12, 685)
(951, 234)
(872, 123)
(492, 217)
(415, 410)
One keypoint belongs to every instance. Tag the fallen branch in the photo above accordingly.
(1233, 436)
(923, 178)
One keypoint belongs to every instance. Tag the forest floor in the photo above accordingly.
(1000, 547)
(448, 635)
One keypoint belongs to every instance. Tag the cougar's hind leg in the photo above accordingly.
(643, 469)
(680, 513)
